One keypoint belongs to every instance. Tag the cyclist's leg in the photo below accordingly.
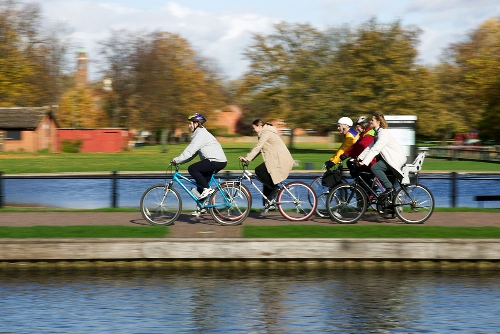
(202, 171)
(379, 170)
(269, 188)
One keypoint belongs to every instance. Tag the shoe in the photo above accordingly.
(271, 207)
(387, 192)
(337, 215)
(206, 192)
(198, 212)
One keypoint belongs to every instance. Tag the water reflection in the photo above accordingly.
(228, 301)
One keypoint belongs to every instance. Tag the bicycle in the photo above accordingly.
(296, 201)
(412, 203)
(322, 191)
(161, 204)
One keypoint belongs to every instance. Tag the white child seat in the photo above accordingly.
(414, 168)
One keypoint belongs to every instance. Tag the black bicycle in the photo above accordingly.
(413, 203)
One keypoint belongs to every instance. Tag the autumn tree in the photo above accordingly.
(284, 80)
(31, 61)
(158, 80)
(476, 62)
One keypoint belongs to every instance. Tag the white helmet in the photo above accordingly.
(345, 120)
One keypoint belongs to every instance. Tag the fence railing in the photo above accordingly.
(114, 177)
(478, 153)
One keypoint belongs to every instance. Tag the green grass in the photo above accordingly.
(368, 231)
(94, 231)
(151, 158)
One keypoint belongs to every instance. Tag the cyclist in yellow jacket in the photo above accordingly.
(351, 136)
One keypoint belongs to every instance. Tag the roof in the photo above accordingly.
(22, 118)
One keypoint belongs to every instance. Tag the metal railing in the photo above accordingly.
(114, 177)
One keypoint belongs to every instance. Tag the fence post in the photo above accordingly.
(454, 178)
(228, 175)
(1, 189)
(114, 189)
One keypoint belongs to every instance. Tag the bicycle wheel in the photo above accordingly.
(161, 206)
(414, 205)
(346, 204)
(321, 210)
(318, 187)
(297, 201)
(237, 197)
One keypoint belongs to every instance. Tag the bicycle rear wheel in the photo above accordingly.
(297, 201)
(346, 204)
(161, 206)
(233, 203)
(415, 205)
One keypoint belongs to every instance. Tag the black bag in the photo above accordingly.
(331, 178)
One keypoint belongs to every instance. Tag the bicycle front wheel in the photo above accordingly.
(160, 205)
(321, 210)
(232, 203)
(414, 205)
(297, 201)
(346, 204)
(317, 186)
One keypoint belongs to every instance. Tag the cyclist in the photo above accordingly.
(206, 146)
(350, 137)
(390, 155)
(366, 137)
(278, 161)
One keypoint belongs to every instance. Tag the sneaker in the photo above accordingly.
(198, 212)
(206, 192)
(337, 215)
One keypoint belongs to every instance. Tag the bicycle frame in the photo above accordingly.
(181, 179)
(250, 178)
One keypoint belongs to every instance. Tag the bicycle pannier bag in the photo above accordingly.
(331, 178)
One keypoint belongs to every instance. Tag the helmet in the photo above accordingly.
(197, 118)
(345, 120)
(361, 120)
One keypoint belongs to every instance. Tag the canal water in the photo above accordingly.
(351, 301)
(97, 193)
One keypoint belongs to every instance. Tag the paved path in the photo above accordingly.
(188, 226)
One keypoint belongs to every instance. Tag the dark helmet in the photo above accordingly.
(362, 120)
(197, 118)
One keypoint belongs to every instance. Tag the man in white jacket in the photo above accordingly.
(206, 146)
(390, 155)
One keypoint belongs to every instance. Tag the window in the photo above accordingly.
(13, 135)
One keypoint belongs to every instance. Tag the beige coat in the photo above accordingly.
(278, 160)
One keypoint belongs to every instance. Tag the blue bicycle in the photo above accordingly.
(161, 204)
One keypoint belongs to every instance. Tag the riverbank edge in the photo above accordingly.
(228, 253)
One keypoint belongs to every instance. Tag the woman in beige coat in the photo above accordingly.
(278, 161)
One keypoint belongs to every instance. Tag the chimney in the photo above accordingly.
(81, 68)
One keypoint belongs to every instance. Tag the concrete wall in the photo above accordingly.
(250, 249)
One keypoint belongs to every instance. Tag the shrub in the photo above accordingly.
(71, 146)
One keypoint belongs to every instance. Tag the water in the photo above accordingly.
(250, 302)
(96, 193)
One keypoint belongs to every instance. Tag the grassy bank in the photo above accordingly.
(284, 231)
(152, 158)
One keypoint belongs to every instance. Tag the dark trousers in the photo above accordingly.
(266, 179)
(382, 170)
(202, 171)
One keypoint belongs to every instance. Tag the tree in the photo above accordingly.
(284, 80)
(158, 80)
(30, 62)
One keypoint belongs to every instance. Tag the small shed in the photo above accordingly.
(28, 129)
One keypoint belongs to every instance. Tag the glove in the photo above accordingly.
(329, 164)
(343, 157)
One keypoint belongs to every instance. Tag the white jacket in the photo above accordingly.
(205, 145)
(390, 150)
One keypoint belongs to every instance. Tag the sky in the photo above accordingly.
(222, 29)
